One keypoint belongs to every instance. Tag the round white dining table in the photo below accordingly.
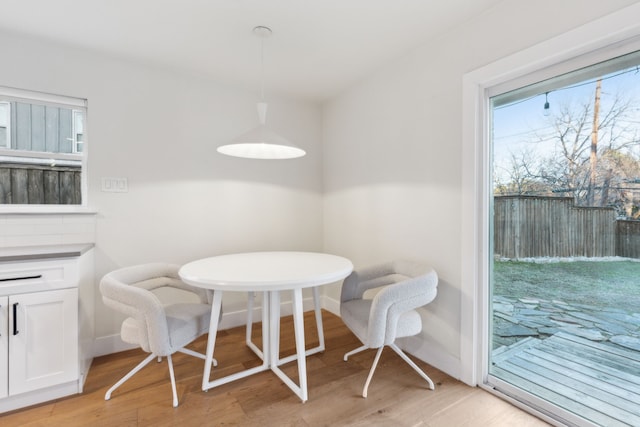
(269, 273)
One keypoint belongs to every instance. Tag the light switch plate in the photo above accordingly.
(115, 185)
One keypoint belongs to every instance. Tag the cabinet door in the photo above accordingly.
(4, 347)
(43, 339)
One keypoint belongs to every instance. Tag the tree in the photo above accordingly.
(622, 187)
(521, 178)
(594, 154)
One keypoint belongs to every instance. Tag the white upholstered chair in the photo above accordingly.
(158, 327)
(391, 313)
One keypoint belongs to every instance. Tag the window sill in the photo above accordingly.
(46, 210)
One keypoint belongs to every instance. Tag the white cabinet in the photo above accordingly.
(46, 328)
(4, 347)
(43, 339)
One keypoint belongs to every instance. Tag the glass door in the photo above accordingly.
(564, 333)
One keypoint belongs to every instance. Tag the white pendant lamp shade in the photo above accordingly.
(261, 142)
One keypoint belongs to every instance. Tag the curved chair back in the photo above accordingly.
(158, 329)
(407, 285)
(391, 314)
(128, 290)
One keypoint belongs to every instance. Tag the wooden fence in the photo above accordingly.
(34, 184)
(531, 226)
(628, 238)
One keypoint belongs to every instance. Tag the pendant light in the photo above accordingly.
(261, 142)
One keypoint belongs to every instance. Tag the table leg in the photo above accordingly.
(274, 341)
(250, 300)
(320, 347)
(298, 324)
(270, 340)
(216, 306)
(274, 328)
(249, 328)
(266, 332)
(213, 328)
(316, 305)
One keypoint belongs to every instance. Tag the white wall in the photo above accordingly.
(388, 155)
(392, 156)
(159, 129)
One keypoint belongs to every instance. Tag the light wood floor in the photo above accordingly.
(397, 395)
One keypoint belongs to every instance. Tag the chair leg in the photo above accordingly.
(352, 352)
(373, 368)
(173, 381)
(145, 362)
(196, 354)
(131, 373)
(413, 365)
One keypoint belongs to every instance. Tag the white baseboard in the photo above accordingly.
(432, 355)
(38, 396)
(109, 344)
(330, 304)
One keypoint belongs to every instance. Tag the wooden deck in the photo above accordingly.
(600, 382)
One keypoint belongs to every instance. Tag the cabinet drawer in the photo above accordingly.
(35, 276)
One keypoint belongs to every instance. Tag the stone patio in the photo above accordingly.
(518, 318)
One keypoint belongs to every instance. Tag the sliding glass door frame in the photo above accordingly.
(592, 43)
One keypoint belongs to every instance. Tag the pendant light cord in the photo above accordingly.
(262, 68)
(262, 32)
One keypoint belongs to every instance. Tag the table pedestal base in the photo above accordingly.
(270, 353)
(318, 313)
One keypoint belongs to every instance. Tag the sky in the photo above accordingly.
(515, 125)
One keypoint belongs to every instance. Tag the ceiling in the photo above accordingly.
(318, 48)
